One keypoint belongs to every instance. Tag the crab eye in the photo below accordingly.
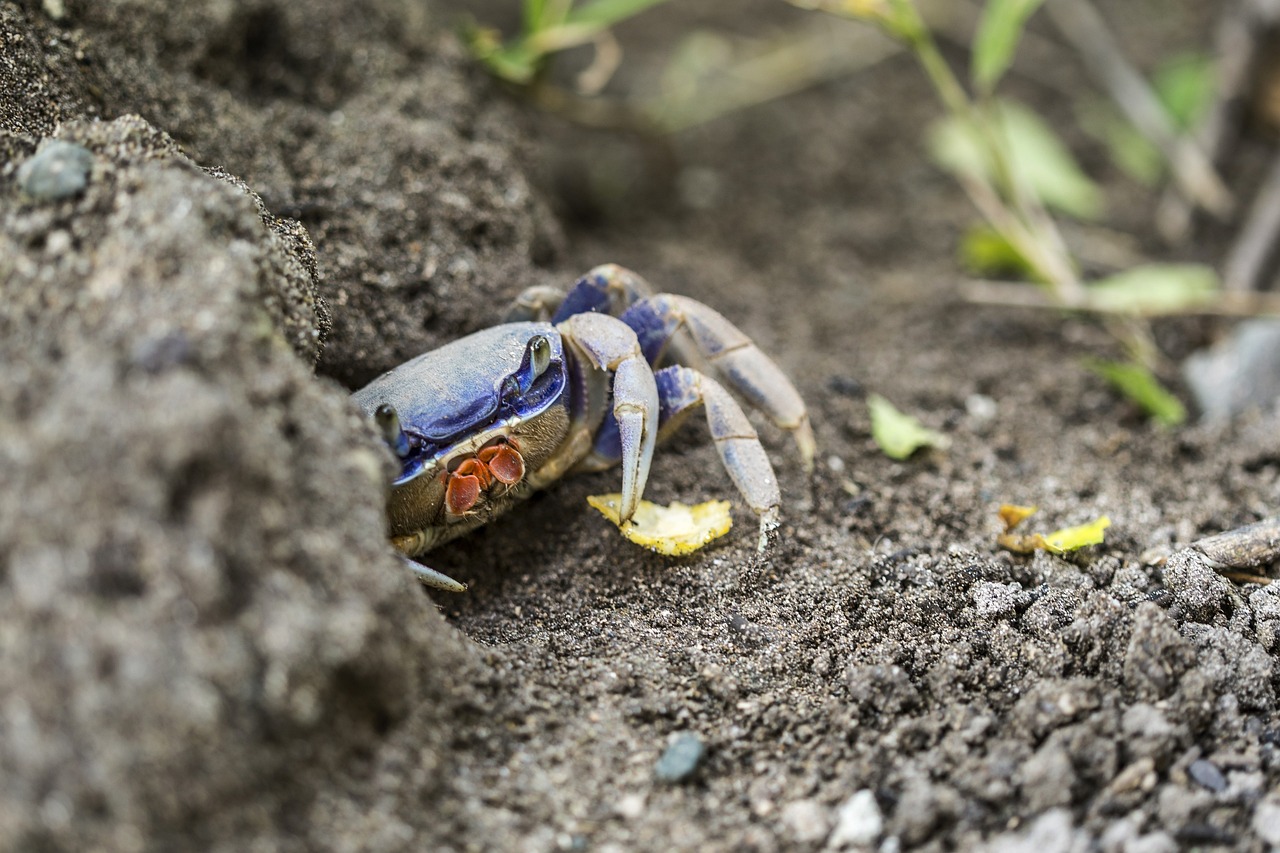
(539, 354)
(388, 422)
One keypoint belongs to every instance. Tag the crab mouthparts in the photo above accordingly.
(496, 463)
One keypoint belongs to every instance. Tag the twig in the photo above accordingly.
(1249, 547)
(1224, 304)
(1254, 243)
(1195, 176)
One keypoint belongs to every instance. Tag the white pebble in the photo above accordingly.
(858, 822)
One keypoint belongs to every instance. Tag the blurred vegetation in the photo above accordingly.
(1014, 167)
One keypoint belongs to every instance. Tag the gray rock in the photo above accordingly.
(681, 759)
(58, 170)
(1241, 371)
(1207, 775)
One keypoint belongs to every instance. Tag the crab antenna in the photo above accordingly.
(389, 423)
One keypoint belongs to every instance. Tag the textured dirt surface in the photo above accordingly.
(207, 645)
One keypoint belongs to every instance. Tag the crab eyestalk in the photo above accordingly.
(389, 425)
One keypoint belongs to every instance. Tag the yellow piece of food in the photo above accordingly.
(1075, 538)
(672, 530)
(1012, 515)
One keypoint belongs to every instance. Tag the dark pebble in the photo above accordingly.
(1207, 775)
(58, 170)
(681, 759)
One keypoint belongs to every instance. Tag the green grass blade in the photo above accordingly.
(605, 13)
(1136, 382)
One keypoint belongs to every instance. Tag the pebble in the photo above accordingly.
(808, 821)
(1207, 775)
(981, 408)
(858, 822)
(1266, 822)
(631, 806)
(681, 759)
(58, 170)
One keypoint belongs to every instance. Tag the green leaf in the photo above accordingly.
(900, 435)
(984, 251)
(997, 39)
(1154, 289)
(605, 13)
(1136, 382)
(1041, 162)
(1131, 152)
(1185, 86)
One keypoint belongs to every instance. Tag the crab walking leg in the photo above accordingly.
(608, 344)
(680, 391)
(747, 370)
(431, 577)
(607, 289)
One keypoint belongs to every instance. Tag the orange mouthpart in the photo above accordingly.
(505, 463)
(463, 485)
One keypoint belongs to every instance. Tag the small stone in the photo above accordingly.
(681, 759)
(981, 407)
(806, 820)
(1051, 832)
(858, 822)
(631, 806)
(1207, 775)
(999, 600)
(1266, 822)
(1152, 842)
(58, 170)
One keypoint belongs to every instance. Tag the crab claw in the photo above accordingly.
(609, 344)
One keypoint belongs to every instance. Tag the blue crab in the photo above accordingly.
(571, 385)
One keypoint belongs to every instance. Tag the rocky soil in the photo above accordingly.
(218, 219)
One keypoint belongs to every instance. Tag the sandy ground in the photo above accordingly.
(207, 645)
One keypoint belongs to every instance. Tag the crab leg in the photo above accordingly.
(432, 578)
(680, 391)
(657, 319)
(607, 289)
(608, 344)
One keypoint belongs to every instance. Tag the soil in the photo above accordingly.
(207, 643)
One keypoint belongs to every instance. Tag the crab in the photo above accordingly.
(572, 384)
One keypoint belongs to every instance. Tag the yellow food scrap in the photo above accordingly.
(1075, 538)
(1012, 515)
(1057, 542)
(672, 530)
